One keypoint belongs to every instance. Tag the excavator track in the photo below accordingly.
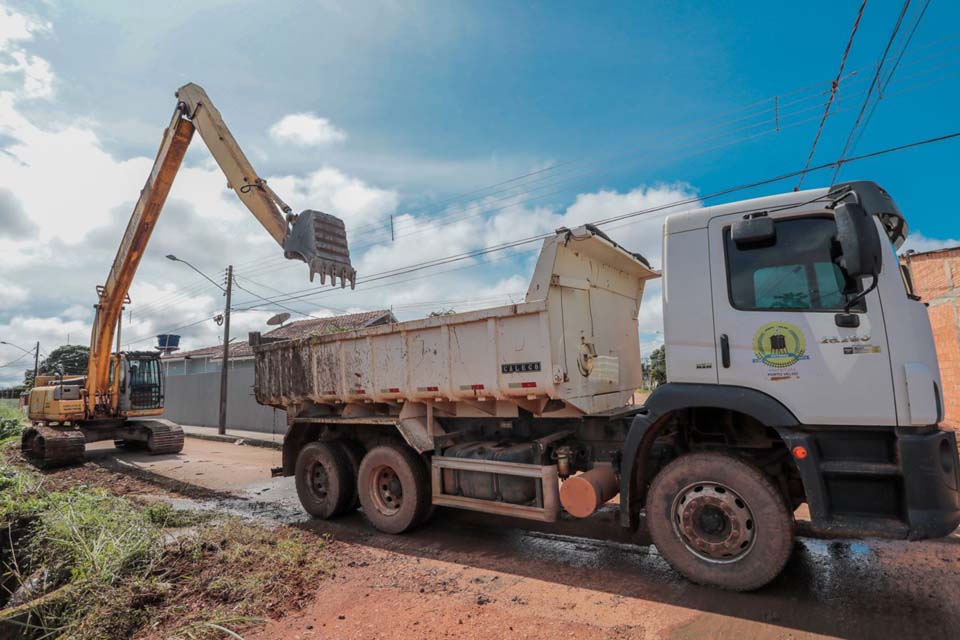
(161, 436)
(50, 447)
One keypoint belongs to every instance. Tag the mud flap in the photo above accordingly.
(320, 240)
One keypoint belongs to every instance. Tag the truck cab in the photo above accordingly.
(842, 364)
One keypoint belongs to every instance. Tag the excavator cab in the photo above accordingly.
(140, 388)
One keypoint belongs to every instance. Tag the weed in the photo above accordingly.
(83, 564)
(166, 517)
(12, 422)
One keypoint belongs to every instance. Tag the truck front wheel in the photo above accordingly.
(323, 478)
(394, 488)
(719, 520)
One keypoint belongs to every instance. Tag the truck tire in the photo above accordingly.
(394, 488)
(353, 452)
(324, 483)
(719, 521)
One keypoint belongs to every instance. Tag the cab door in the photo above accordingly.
(776, 305)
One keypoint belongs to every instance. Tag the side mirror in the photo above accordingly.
(753, 231)
(859, 241)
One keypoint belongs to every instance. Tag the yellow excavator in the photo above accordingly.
(122, 393)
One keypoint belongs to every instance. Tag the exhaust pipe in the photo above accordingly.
(582, 495)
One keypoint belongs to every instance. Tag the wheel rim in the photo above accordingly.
(319, 481)
(713, 522)
(386, 490)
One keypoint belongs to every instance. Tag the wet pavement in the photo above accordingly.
(843, 588)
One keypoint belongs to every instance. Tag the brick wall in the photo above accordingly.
(936, 279)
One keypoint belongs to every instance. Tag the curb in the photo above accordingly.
(216, 437)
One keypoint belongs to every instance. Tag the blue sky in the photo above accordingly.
(427, 101)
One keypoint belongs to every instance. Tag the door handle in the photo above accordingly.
(725, 351)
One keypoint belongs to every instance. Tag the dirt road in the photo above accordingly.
(463, 576)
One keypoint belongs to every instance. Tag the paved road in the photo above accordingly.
(849, 588)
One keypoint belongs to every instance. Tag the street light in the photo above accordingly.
(36, 356)
(170, 256)
(222, 425)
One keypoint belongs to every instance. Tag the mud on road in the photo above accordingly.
(465, 576)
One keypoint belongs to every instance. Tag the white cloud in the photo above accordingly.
(11, 294)
(17, 27)
(70, 200)
(306, 130)
(37, 76)
(332, 191)
(920, 243)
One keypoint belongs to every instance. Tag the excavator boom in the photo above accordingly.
(319, 239)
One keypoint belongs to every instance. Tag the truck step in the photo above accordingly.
(847, 467)
(854, 526)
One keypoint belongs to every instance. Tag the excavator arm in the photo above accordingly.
(319, 239)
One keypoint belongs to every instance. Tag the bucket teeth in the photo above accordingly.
(320, 240)
(334, 270)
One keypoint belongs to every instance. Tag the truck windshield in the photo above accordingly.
(796, 272)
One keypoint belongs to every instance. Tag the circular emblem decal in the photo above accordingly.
(779, 344)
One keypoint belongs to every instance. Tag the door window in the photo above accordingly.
(796, 272)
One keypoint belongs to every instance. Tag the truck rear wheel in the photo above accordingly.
(394, 488)
(323, 479)
(720, 521)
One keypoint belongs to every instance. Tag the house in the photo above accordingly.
(192, 378)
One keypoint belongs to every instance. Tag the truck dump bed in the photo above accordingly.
(572, 348)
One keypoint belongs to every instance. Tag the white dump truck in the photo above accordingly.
(800, 369)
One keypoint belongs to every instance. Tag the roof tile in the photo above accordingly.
(298, 329)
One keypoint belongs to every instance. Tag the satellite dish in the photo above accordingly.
(279, 319)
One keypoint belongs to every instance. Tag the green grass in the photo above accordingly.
(103, 566)
(12, 420)
(72, 546)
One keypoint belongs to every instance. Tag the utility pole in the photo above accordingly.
(36, 363)
(222, 427)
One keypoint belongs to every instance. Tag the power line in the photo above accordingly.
(275, 263)
(482, 263)
(873, 84)
(768, 104)
(13, 362)
(906, 45)
(633, 214)
(279, 264)
(459, 216)
(276, 304)
(833, 93)
(882, 87)
(266, 286)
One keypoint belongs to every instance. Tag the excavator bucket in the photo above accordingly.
(320, 240)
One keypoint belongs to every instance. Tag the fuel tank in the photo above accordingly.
(491, 486)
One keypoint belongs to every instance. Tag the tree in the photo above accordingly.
(71, 359)
(658, 366)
